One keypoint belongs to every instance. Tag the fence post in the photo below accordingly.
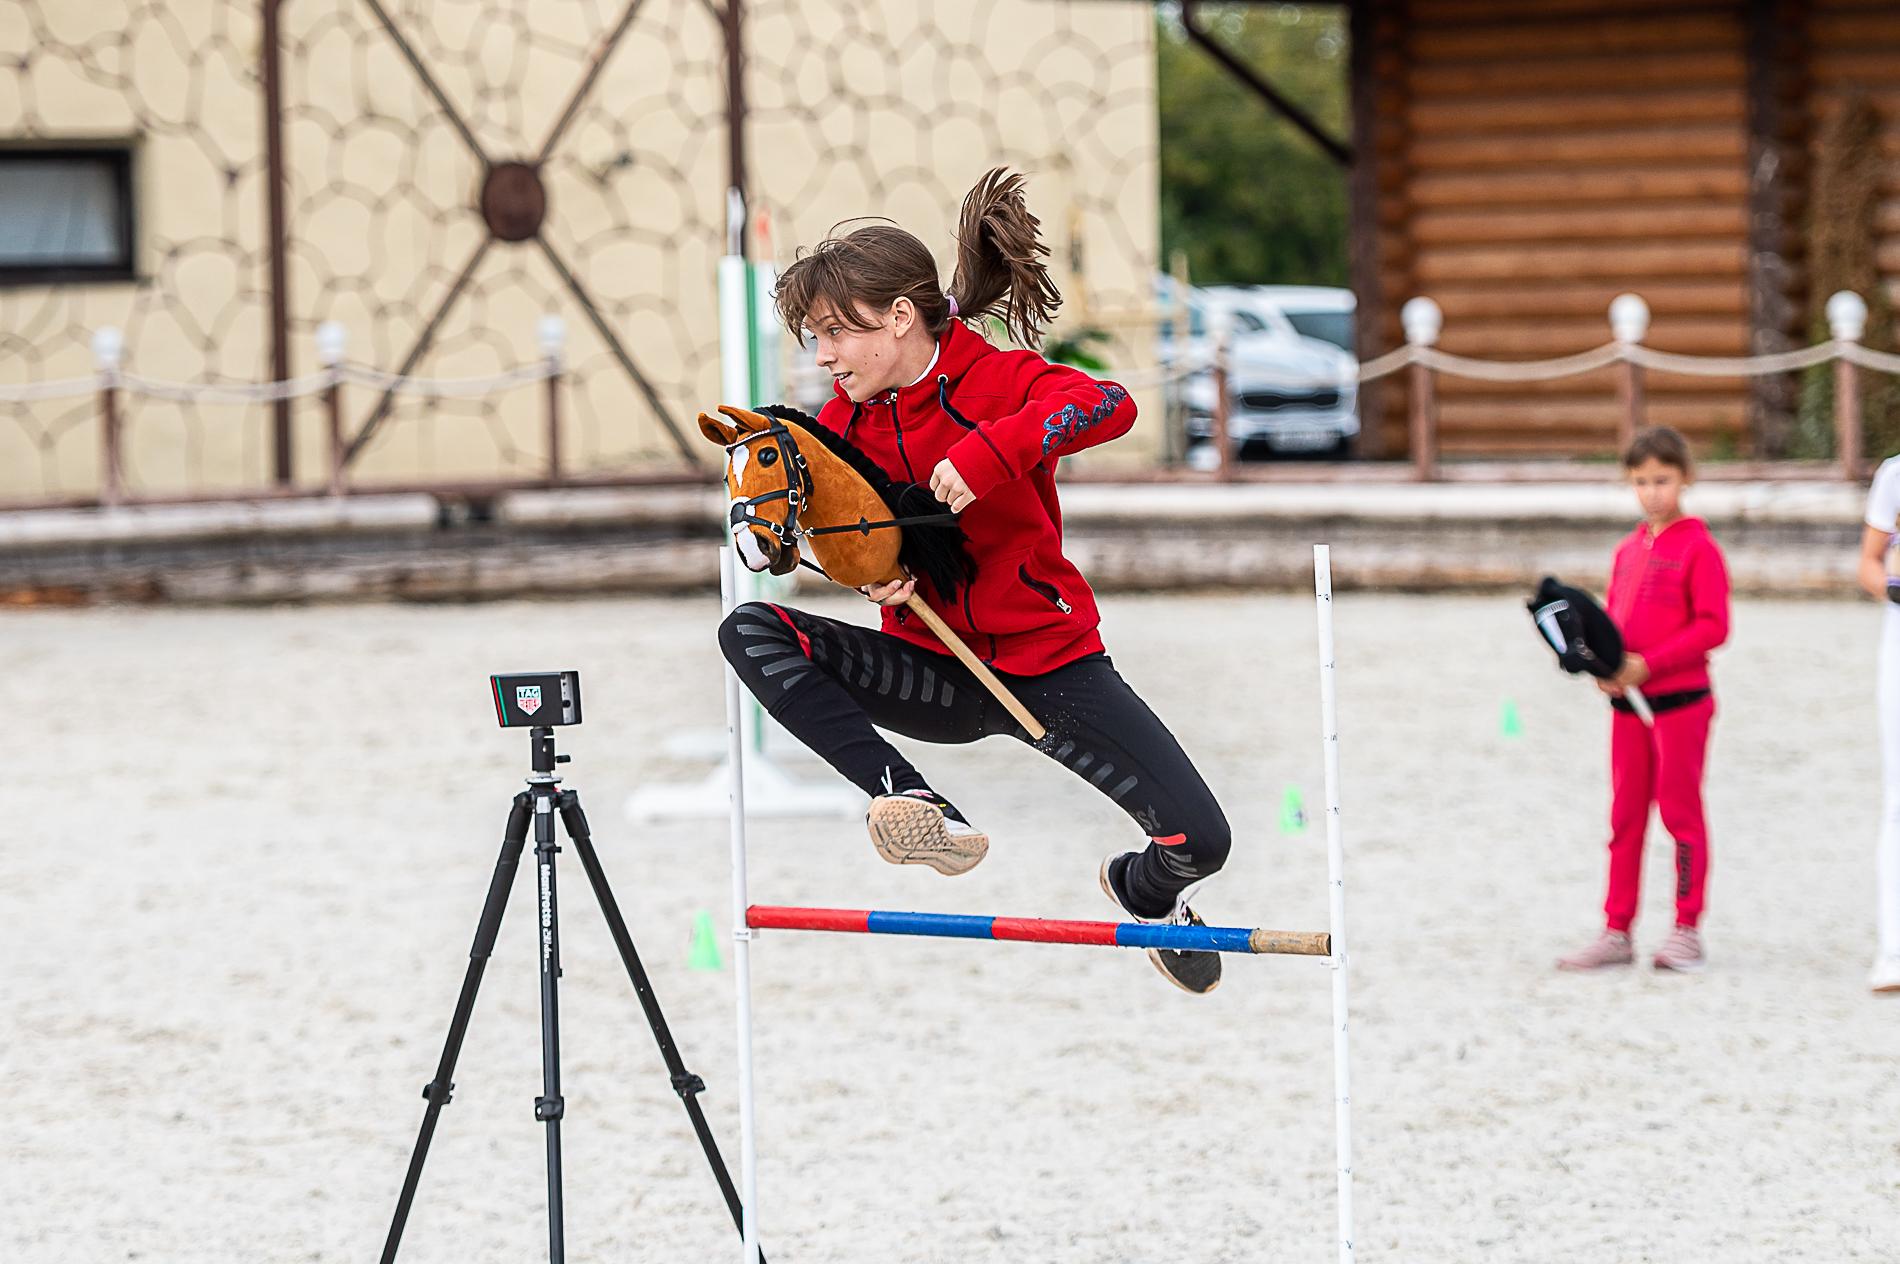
(108, 349)
(1629, 325)
(332, 342)
(553, 334)
(1422, 320)
(1847, 321)
(1223, 398)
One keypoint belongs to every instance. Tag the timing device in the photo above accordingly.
(536, 699)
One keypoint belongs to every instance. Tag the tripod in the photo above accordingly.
(541, 801)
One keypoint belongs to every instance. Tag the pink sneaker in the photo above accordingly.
(1681, 952)
(1611, 948)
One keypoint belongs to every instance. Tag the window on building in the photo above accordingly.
(66, 214)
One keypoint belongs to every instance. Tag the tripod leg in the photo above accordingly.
(549, 1107)
(685, 1083)
(437, 1091)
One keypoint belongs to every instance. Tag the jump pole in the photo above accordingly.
(1336, 893)
(1038, 930)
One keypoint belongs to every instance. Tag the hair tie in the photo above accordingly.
(953, 303)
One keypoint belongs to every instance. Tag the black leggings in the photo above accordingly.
(829, 682)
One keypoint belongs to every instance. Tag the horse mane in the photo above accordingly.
(938, 551)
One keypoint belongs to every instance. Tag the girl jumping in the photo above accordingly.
(927, 399)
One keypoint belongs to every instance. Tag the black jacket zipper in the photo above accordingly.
(897, 424)
(1050, 593)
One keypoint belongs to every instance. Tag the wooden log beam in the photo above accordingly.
(1676, 69)
(1620, 184)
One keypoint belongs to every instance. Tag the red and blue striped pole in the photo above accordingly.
(1042, 930)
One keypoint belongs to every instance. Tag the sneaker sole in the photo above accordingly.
(1571, 968)
(912, 832)
(1680, 967)
(1154, 954)
(1880, 989)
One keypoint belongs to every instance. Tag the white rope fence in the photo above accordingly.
(108, 348)
(1421, 317)
(112, 381)
(1624, 353)
(1629, 319)
(1629, 322)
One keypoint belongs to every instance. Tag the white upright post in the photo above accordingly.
(741, 934)
(735, 387)
(1336, 892)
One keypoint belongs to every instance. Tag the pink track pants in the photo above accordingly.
(1663, 766)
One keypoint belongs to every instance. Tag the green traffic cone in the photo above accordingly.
(1292, 812)
(1509, 722)
(704, 954)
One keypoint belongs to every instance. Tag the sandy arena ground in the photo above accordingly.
(248, 848)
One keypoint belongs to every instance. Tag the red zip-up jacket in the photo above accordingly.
(1003, 418)
(1668, 596)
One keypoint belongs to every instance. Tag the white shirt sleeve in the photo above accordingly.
(1883, 498)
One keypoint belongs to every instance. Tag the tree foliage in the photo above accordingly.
(1245, 193)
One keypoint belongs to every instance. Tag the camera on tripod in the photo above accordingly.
(538, 702)
(536, 699)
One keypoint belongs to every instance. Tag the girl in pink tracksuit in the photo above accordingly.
(1668, 596)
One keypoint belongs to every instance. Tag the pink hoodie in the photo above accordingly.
(1669, 598)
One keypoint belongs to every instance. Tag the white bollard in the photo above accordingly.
(333, 342)
(1629, 318)
(551, 332)
(108, 348)
(1422, 320)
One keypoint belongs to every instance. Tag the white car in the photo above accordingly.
(1292, 378)
(1311, 311)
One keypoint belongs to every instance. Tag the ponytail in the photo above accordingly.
(1000, 271)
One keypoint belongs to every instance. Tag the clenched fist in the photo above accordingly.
(948, 486)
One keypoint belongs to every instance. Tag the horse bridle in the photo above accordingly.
(797, 492)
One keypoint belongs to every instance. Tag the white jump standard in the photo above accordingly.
(1330, 946)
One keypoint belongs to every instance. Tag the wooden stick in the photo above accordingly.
(976, 666)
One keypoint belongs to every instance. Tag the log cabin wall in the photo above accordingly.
(1550, 156)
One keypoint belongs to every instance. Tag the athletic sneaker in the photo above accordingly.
(1197, 972)
(1885, 976)
(1611, 948)
(920, 827)
(1681, 952)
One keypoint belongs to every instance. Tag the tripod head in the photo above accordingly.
(541, 756)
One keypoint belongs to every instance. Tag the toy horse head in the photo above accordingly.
(791, 481)
(769, 482)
